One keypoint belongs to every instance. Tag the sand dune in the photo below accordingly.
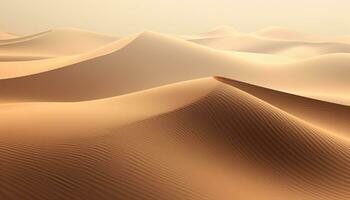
(316, 112)
(289, 48)
(89, 116)
(214, 142)
(220, 32)
(53, 43)
(15, 69)
(136, 60)
(281, 33)
(7, 36)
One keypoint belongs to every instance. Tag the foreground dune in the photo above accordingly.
(131, 65)
(199, 139)
(53, 43)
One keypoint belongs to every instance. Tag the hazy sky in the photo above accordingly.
(120, 17)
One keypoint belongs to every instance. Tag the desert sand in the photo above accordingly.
(217, 115)
(51, 44)
(6, 36)
(276, 41)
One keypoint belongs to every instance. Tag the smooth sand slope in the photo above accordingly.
(53, 43)
(273, 40)
(200, 139)
(219, 32)
(6, 36)
(281, 33)
(15, 69)
(150, 59)
(289, 48)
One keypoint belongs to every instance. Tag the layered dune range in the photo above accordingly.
(105, 72)
(135, 118)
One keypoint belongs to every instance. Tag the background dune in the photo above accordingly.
(139, 58)
(53, 43)
(6, 36)
(281, 33)
(298, 49)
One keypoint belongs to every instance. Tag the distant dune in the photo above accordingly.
(281, 33)
(220, 32)
(53, 43)
(294, 49)
(220, 115)
(6, 36)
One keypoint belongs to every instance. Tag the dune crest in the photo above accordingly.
(281, 33)
(53, 43)
(173, 60)
(7, 36)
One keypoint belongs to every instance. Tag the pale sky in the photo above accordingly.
(121, 17)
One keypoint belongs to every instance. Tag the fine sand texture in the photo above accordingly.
(220, 115)
(214, 142)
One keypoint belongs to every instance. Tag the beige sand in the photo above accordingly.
(213, 142)
(293, 49)
(89, 116)
(7, 36)
(53, 43)
(136, 60)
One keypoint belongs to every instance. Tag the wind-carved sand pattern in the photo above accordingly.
(215, 116)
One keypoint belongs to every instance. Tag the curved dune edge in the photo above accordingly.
(320, 113)
(6, 36)
(272, 40)
(22, 68)
(91, 116)
(288, 48)
(211, 141)
(101, 73)
(281, 33)
(53, 43)
(273, 32)
(24, 38)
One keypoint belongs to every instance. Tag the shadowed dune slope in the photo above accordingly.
(17, 69)
(132, 67)
(53, 43)
(316, 112)
(217, 143)
(91, 116)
